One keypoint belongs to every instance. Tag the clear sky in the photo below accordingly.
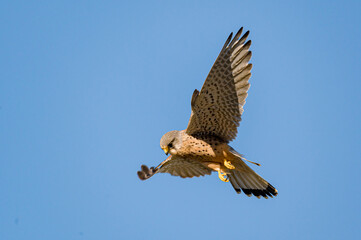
(87, 89)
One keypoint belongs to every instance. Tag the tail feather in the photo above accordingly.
(240, 181)
(243, 177)
(235, 184)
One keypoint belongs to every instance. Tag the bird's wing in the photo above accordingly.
(217, 108)
(176, 166)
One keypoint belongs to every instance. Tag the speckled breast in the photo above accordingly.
(206, 148)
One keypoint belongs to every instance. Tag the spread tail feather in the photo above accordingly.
(243, 177)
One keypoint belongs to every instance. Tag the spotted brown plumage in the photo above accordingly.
(217, 108)
(216, 113)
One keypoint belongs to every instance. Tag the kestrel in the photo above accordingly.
(216, 112)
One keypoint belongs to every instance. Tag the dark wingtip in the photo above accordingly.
(141, 175)
(239, 31)
(145, 172)
(145, 169)
(248, 44)
(244, 37)
(227, 41)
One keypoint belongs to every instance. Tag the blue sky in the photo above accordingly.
(88, 88)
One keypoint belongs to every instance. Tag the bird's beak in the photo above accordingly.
(166, 150)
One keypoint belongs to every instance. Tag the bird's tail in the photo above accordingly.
(243, 177)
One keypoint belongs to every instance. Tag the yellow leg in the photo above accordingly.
(228, 164)
(223, 176)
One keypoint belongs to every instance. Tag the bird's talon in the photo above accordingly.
(228, 164)
(223, 176)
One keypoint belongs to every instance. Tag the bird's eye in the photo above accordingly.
(170, 145)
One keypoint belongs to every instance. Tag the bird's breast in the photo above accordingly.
(206, 148)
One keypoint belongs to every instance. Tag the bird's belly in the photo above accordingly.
(206, 152)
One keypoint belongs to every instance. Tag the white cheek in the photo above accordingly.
(173, 151)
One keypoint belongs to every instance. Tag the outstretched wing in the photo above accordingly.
(176, 166)
(217, 108)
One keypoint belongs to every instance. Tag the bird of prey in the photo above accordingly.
(216, 112)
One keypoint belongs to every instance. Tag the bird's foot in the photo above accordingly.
(223, 176)
(228, 164)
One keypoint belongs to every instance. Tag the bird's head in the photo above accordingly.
(171, 142)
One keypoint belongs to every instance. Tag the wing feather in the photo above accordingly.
(183, 167)
(217, 108)
(176, 166)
